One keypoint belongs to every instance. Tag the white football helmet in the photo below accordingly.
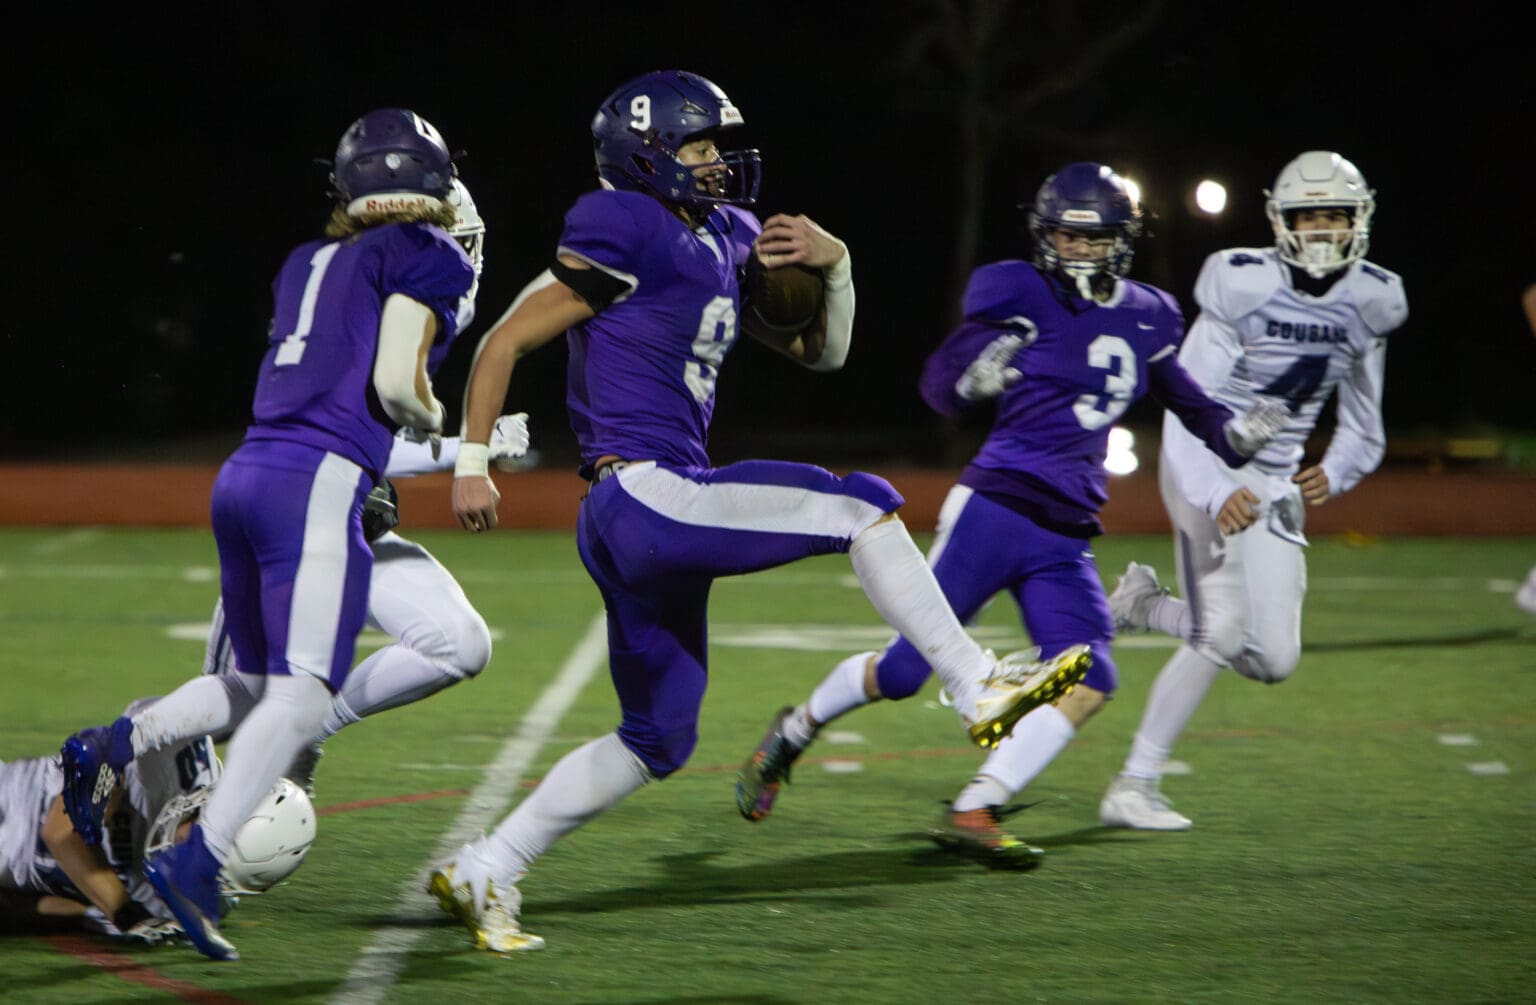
(269, 847)
(1320, 179)
(470, 228)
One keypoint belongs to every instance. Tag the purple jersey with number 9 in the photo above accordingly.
(642, 373)
(316, 382)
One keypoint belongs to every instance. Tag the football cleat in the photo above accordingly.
(491, 917)
(1018, 685)
(302, 770)
(93, 761)
(1138, 804)
(1133, 596)
(977, 834)
(186, 878)
(758, 781)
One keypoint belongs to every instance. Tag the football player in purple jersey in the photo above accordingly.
(1064, 344)
(646, 283)
(362, 317)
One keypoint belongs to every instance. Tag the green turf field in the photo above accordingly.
(1363, 833)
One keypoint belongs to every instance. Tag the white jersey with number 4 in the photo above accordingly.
(1258, 335)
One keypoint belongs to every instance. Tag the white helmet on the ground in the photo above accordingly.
(269, 847)
(1320, 179)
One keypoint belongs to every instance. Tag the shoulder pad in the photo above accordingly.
(1379, 295)
(1235, 282)
(1001, 290)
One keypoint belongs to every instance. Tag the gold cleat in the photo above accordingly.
(495, 926)
(1018, 685)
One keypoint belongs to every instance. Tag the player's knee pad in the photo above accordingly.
(471, 644)
(1268, 667)
(460, 644)
(874, 490)
(662, 751)
(900, 672)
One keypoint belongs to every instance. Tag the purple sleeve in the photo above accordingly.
(425, 264)
(1177, 391)
(946, 363)
(601, 229)
(991, 303)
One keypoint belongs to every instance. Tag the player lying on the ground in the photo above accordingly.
(52, 880)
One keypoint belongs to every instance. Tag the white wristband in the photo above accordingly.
(472, 461)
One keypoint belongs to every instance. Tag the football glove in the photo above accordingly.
(1249, 432)
(509, 440)
(381, 511)
(989, 374)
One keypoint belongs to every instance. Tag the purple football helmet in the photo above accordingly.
(640, 127)
(389, 159)
(1091, 199)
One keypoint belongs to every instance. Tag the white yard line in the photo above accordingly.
(379, 963)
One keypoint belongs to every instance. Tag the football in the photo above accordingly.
(787, 299)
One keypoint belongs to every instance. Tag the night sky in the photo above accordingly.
(169, 163)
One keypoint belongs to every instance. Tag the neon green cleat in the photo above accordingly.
(977, 834)
(1018, 685)
(493, 923)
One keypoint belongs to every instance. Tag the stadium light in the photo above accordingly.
(1211, 197)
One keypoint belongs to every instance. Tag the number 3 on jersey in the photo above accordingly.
(1115, 356)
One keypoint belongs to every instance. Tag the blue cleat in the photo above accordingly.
(187, 878)
(93, 761)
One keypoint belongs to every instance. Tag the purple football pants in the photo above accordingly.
(294, 566)
(983, 547)
(654, 538)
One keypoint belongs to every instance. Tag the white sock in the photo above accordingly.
(1176, 693)
(207, 704)
(1021, 756)
(584, 783)
(283, 722)
(902, 589)
(982, 791)
(841, 692)
(395, 675)
(1171, 616)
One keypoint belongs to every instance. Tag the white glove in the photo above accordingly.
(989, 374)
(509, 440)
(1249, 432)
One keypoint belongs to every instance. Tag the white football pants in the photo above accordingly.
(1245, 591)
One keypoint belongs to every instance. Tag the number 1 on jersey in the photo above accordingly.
(292, 349)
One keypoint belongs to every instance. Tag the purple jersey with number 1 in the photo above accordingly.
(315, 386)
(642, 372)
(287, 506)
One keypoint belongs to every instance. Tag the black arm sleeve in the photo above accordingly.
(595, 286)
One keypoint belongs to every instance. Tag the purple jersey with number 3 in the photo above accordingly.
(1083, 364)
(642, 372)
(315, 386)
